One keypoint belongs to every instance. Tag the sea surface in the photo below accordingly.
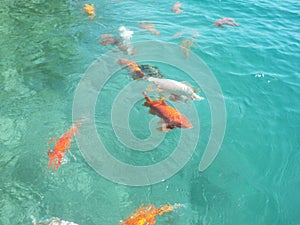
(46, 49)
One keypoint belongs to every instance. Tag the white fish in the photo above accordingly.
(52, 221)
(126, 36)
(174, 90)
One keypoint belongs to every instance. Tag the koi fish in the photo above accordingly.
(185, 46)
(174, 90)
(226, 21)
(170, 117)
(150, 27)
(90, 10)
(132, 67)
(176, 8)
(52, 221)
(107, 39)
(146, 215)
(60, 147)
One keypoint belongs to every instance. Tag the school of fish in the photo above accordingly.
(166, 88)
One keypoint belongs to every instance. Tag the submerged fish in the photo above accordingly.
(185, 46)
(132, 67)
(107, 39)
(174, 90)
(226, 21)
(176, 8)
(146, 215)
(60, 147)
(170, 117)
(150, 27)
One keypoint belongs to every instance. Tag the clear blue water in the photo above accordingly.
(46, 47)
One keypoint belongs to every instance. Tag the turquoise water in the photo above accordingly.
(46, 47)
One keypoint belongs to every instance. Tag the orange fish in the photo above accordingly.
(150, 27)
(90, 10)
(171, 118)
(60, 147)
(145, 215)
(226, 21)
(132, 67)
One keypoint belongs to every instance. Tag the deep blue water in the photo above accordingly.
(46, 48)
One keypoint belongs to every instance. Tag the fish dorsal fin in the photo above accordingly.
(196, 90)
(163, 101)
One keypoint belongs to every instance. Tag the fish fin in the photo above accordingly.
(196, 97)
(174, 97)
(195, 89)
(163, 128)
(163, 101)
(159, 90)
(152, 111)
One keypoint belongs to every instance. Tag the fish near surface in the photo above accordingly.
(52, 221)
(60, 147)
(146, 215)
(171, 117)
(90, 10)
(174, 89)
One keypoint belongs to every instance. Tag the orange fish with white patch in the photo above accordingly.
(171, 117)
(145, 215)
(60, 147)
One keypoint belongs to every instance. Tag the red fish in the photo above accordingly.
(132, 67)
(60, 147)
(171, 118)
